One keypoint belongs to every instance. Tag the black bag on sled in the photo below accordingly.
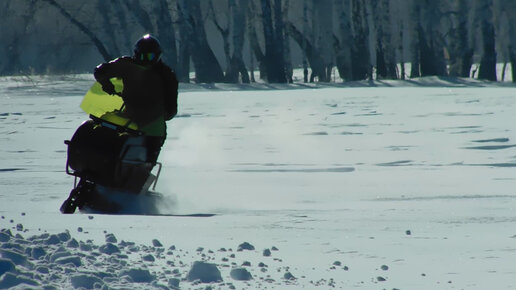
(109, 155)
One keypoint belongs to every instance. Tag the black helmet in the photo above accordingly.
(147, 49)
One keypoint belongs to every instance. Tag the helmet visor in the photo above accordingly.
(149, 57)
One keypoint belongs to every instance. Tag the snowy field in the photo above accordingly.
(385, 185)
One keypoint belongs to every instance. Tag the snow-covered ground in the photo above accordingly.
(384, 185)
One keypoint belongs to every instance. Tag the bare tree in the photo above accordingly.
(166, 32)
(274, 41)
(185, 34)
(207, 67)
(343, 46)
(399, 11)
(487, 68)
(385, 54)
(438, 37)
(415, 51)
(104, 8)
(91, 35)
(236, 26)
(254, 42)
(122, 24)
(460, 42)
(303, 45)
(509, 7)
(13, 63)
(322, 39)
(223, 28)
(361, 61)
(303, 37)
(289, 70)
(430, 48)
(314, 59)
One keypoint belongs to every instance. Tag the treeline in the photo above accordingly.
(228, 40)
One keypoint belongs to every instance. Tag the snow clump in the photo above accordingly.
(204, 272)
(59, 261)
(241, 274)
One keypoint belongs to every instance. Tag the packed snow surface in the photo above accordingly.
(384, 185)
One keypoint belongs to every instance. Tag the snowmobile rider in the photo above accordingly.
(149, 90)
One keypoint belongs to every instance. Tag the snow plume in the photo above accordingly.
(147, 203)
(247, 151)
(196, 145)
(196, 149)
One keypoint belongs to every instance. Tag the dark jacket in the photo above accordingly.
(150, 91)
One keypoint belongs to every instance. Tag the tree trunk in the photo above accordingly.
(166, 33)
(273, 35)
(207, 68)
(509, 8)
(430, 40)
(279, 39)
(504, 68)
(237, 67)
(224, 32)
(426, 55)
(401, 48)
(185, 32)
(303, 46)
(13, 61)
(251, 65)
(385, 55)
(269, 40)
(253, 41)
(342, 47)
(381, 66)
(415, 71)
(461, 52)
(361, 62)
(323, 38)
(314, 59)
(512, 58)
(487, 68)
(289, 70)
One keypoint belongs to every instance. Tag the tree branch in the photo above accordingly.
(101, 48)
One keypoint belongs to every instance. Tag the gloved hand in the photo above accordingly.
(109, 88)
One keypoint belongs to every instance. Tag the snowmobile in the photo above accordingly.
(107, 154)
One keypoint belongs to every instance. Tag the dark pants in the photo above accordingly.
(153, 144)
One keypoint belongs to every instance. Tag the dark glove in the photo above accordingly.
(109, 88)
